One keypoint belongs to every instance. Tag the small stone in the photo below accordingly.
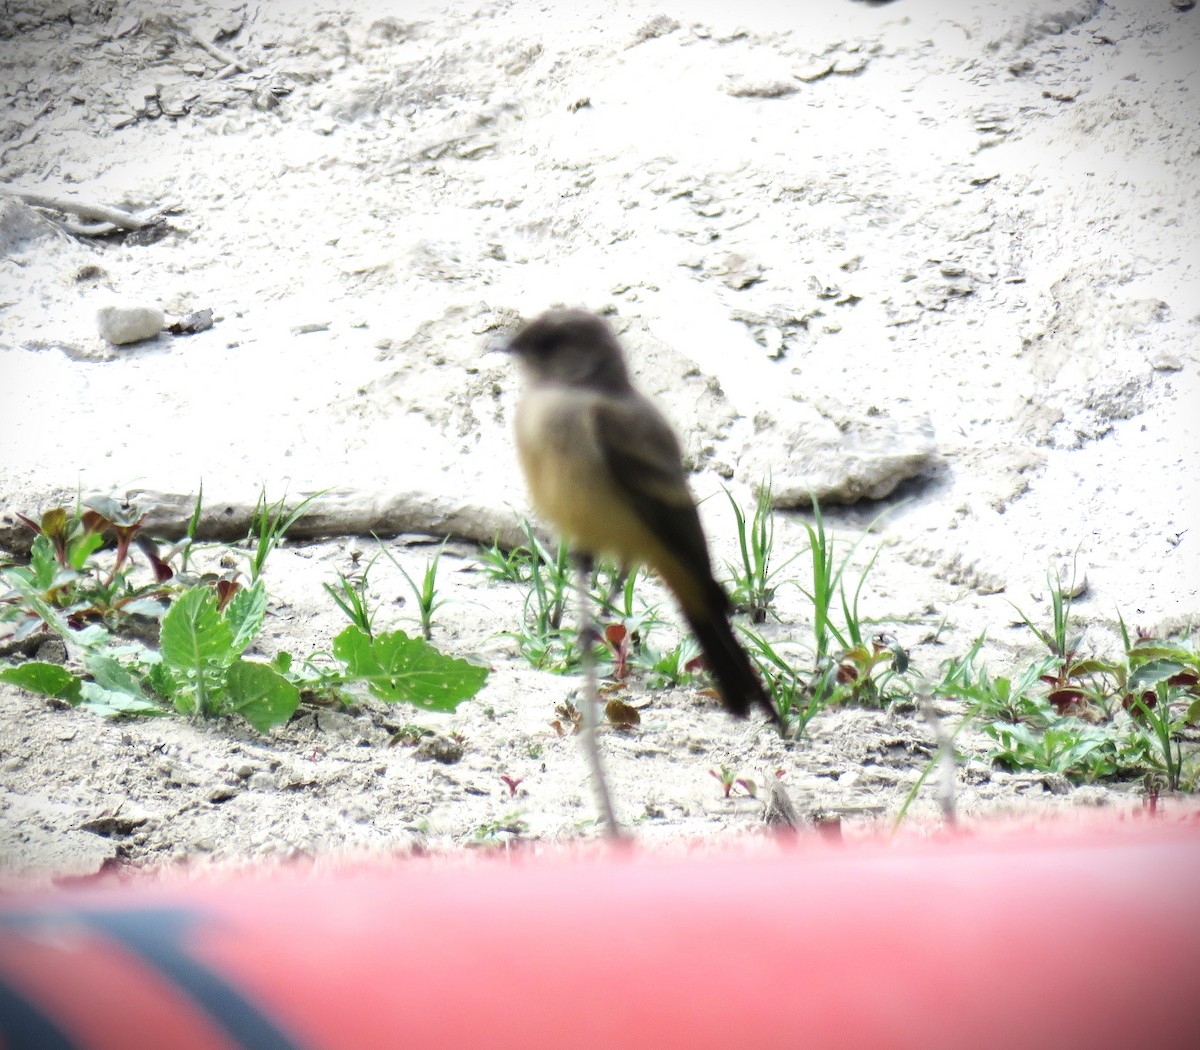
(1072, 578)
(848, 65)
(121, 325)
(765, 87)
(814, 69)
(1056, 783)
(1165, 361)
(439, 748)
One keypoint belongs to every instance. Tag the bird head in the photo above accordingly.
(572, 348)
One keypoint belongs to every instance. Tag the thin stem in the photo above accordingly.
(588, 636)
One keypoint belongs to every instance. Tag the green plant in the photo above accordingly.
(350, 595)
(269, 525)
(1067, 675)
(426, 593)
(1150, 660)
(859, 659)
(506, 566)
(542, 637)
(199, 668)
(511, 824)
(1163, 704)
(797, 698)
(1002, 699)
(65, 573)
(729, 779)
(1069, 747)
(184, 547)
(754, 588)
(865, 671)
(670, 667)
(395, 667)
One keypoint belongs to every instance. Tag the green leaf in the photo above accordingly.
(37, 604)
(245, 614)
(83, 547)
(111, 703)
(167, 684)
(194, 637)
(151, 608)
(260, 694)
(396, 667)
(1193, 713)
(44, 678)
(1150, 674)
(109, 674)
(43, 566)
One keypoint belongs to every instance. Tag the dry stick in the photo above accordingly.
(945, 756)
(95, 229)
(99, 213)
(226, 58)
(591, 702)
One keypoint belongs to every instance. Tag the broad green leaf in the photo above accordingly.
(245, 614)
(194, 636)
(151, 608)
(1150, 674)
(260, 694)
(33, 600)
(43, 566)
(1193, 713)
(109, 674)
(396, 667)
(1151, 649)
(171, 686)
(112, 703)
(105, 505)
(1093, 666)
(83, 547)
(44, 678)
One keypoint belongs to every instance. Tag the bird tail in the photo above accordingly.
(736, 677)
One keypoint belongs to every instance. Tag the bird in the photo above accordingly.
(604, 468)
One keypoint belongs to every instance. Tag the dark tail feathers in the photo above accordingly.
(736, 677)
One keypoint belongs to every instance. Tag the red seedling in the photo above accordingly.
(618, 640)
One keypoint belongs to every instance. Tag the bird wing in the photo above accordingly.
(644, 460)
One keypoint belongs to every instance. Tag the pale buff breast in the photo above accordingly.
(569, 480)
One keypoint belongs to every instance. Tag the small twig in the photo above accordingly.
(591, 702)
(96, 229)
(945, 757)
(98, 213)
(226, 58)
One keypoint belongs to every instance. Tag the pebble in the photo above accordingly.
(1072, 578)
(1165, 361)
(121, 325)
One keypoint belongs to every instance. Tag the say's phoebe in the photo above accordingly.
(604, 467)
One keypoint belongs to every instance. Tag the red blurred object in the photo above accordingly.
(998, 938)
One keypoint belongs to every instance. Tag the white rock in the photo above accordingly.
(129, 324)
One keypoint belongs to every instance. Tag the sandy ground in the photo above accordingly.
(939, 264)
